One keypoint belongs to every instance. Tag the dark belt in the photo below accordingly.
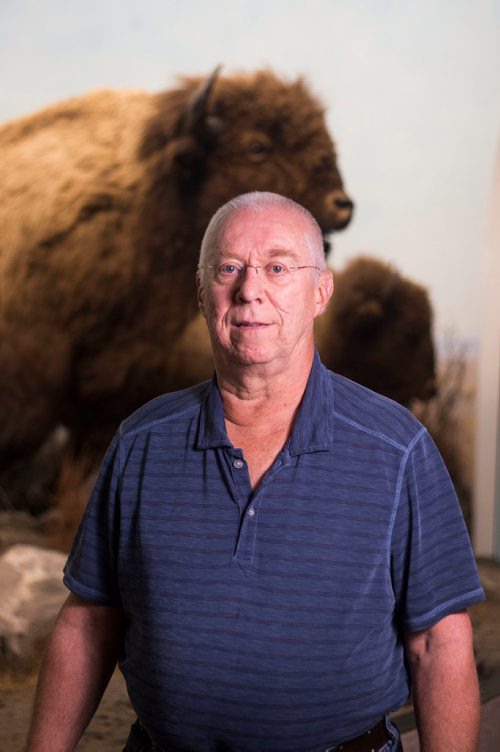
(370, 741)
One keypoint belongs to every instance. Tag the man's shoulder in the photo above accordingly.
(166, 407)
(372, 413)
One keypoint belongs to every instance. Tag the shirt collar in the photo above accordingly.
(212, 428)
(313, 427)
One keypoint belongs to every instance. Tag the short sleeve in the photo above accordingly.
(433, 569)
(91, 570)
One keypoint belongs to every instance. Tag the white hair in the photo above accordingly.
(259, 201)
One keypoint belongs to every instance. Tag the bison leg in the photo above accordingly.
(34, 373)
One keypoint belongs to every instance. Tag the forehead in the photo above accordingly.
(268, 232)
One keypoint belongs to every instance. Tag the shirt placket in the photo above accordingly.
(250, 504)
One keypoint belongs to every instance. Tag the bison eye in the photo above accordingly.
(258, 150)
(326, 164)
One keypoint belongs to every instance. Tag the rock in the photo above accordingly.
(31, 594)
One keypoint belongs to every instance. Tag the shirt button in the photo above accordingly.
(238, 464)
(251, 512)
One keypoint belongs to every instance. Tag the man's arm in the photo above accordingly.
(445, 685)
(76, 669)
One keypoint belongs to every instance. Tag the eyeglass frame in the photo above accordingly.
(243, 267)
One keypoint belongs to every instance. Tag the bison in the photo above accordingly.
(103, 202)
(377, 330)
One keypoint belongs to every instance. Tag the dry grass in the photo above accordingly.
(449, 418)
(15, 679)
(76, 480)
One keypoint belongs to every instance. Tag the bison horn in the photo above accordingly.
(195, 115)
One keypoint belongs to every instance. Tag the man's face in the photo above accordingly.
(254, 319)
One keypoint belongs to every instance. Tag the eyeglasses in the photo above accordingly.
(274, 272)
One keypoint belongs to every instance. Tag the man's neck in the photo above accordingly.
(252, 395)
(260, 410)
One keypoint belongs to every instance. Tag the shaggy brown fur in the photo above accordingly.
(103, 202)
(377, 330)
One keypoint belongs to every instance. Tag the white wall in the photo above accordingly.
(486, 532)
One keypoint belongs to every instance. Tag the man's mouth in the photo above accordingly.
(250, 324)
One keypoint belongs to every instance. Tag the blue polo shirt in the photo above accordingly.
(272, 620)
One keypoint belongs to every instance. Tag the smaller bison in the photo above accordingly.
(104, 199)
(377, 330)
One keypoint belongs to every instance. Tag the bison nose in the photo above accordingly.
(343, 202)
(342, 207)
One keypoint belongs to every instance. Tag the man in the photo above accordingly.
(269, 555)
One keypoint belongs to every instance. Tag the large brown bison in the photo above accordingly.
(103, 202)
(377, 330)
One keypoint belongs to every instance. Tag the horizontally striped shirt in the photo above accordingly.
(272, 620)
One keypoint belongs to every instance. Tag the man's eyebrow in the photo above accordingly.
(225, 253)
(287, 252)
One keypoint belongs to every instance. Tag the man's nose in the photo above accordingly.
(249, 285)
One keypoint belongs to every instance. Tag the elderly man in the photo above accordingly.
(274, 557)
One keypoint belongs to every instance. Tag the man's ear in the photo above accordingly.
(200, 293)
(324, 291)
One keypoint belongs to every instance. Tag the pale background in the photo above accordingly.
(412, 91)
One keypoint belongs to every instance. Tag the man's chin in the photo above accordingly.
(250, 360)
(247, 357)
